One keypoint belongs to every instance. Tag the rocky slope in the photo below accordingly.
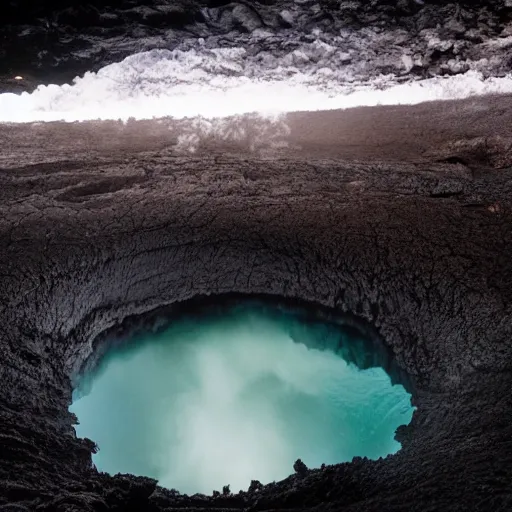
(400, 215)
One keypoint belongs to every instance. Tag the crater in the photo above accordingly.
(430, 275)
(236, 391)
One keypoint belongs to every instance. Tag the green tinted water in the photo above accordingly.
(233, 398)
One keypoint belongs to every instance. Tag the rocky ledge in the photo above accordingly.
(53, 41)
(399, 215)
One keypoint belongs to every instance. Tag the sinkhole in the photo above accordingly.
(238, 393)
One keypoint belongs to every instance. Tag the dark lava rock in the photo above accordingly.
(300, 468)
(285, 18)
(246, 18)
(398, 216)
(55, 41)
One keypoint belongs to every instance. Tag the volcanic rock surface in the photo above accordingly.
(53, 41)
(399, 215)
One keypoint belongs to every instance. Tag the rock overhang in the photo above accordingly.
(54, 42)
(402, 218)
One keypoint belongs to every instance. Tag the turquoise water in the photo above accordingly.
(233, 398)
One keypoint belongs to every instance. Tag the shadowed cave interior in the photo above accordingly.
(236, 392)
(349, 163)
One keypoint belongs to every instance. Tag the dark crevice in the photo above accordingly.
(446, 195)
(360, 345)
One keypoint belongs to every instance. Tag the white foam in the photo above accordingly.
(224, 82)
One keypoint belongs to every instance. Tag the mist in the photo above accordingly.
(234, 398)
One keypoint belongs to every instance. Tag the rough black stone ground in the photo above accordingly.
(400, 215)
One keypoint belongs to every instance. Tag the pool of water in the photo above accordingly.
(233, 397)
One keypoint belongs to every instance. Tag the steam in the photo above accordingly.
(214, 83)
(232, 399)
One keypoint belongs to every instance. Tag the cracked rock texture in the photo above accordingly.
(400, 215)
(53, 41)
